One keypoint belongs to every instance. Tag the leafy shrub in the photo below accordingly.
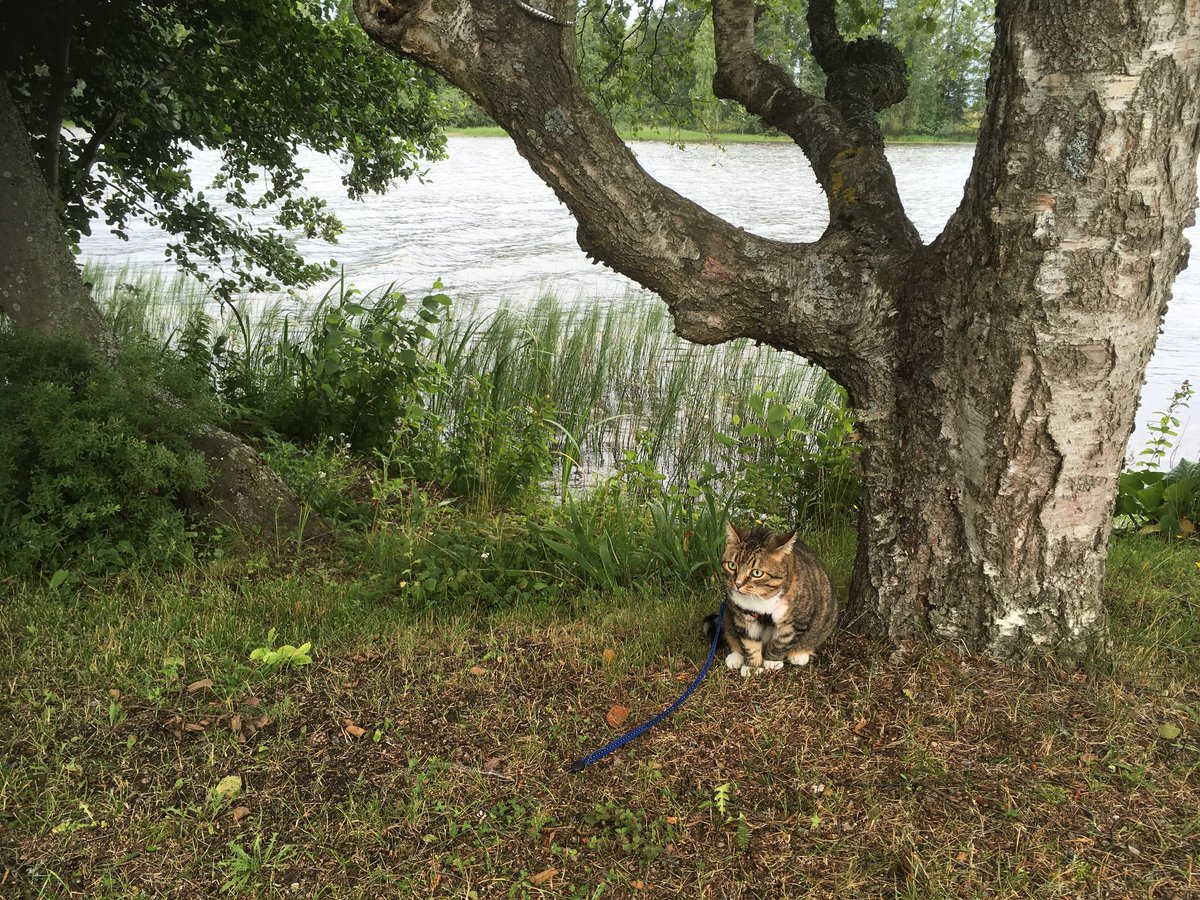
(353, 374)
(797, 462)
(93, 458)
(325, 476)
(1162, 502)
(1157, 502)
(486, 450)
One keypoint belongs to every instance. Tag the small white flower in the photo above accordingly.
(484, 555)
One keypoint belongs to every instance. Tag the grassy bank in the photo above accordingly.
(389, 712)
(421, 752)
(684, 135)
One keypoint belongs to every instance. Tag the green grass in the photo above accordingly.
(458, 665)
(421, 753)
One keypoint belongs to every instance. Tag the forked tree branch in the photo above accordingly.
(820, 300)
(838, 134)
(863, 77)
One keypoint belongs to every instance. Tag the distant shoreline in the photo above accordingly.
(695, 137)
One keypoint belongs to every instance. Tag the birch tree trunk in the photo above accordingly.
(996, 371)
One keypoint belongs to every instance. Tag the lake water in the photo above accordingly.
(484, 224)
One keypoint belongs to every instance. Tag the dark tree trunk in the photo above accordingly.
(996, 371)
(41, 291)
(40, 286)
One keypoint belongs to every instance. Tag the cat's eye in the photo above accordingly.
(731, 566)
(756, 573)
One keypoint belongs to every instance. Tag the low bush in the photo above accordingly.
(796, 460)
(94, 460)
(485, 449)
(352, 370)
(1154, 501)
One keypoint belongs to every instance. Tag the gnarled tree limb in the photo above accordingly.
(863, 77)
(839, 135)
(720, 282)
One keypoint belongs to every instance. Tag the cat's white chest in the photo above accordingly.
(774, 607)
(765, 606)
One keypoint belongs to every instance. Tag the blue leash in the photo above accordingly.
(581, 764)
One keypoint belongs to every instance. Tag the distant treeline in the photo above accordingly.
(653, 65)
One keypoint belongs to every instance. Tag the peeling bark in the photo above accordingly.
(996, 371)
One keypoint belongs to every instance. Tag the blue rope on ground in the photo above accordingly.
(634, 734)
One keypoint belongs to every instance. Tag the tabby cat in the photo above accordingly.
(780, 603)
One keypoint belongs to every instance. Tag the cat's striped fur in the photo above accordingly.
(781, 604)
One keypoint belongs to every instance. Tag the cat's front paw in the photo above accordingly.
(772, 665)
(799, 659)
(747, 671)
(734, 660)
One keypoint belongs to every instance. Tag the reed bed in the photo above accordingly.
(622, 382)
(621, 385)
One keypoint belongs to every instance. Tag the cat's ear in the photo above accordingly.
(732, 535)
(784, 542)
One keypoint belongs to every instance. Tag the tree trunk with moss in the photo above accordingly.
(995, 371)
(41, 291)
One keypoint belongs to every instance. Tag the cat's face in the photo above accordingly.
(755, 560)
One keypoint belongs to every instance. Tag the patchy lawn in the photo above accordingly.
(423, 755)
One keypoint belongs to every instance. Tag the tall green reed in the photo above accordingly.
(610, 378)
(620, 381)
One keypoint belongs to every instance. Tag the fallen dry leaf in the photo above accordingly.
(860, 726)
(478, 670)
(235, 723)
(252, 701)
(240, 813)
(199, 685)
(493, 764)
(609, 656)
(543, 876)
(193, 727)
(638, 885)
(617, 715)
(352, 729)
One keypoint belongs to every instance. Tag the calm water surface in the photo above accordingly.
(485, 225)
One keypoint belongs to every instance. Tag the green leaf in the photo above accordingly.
(228, 787)
(1168, 731)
